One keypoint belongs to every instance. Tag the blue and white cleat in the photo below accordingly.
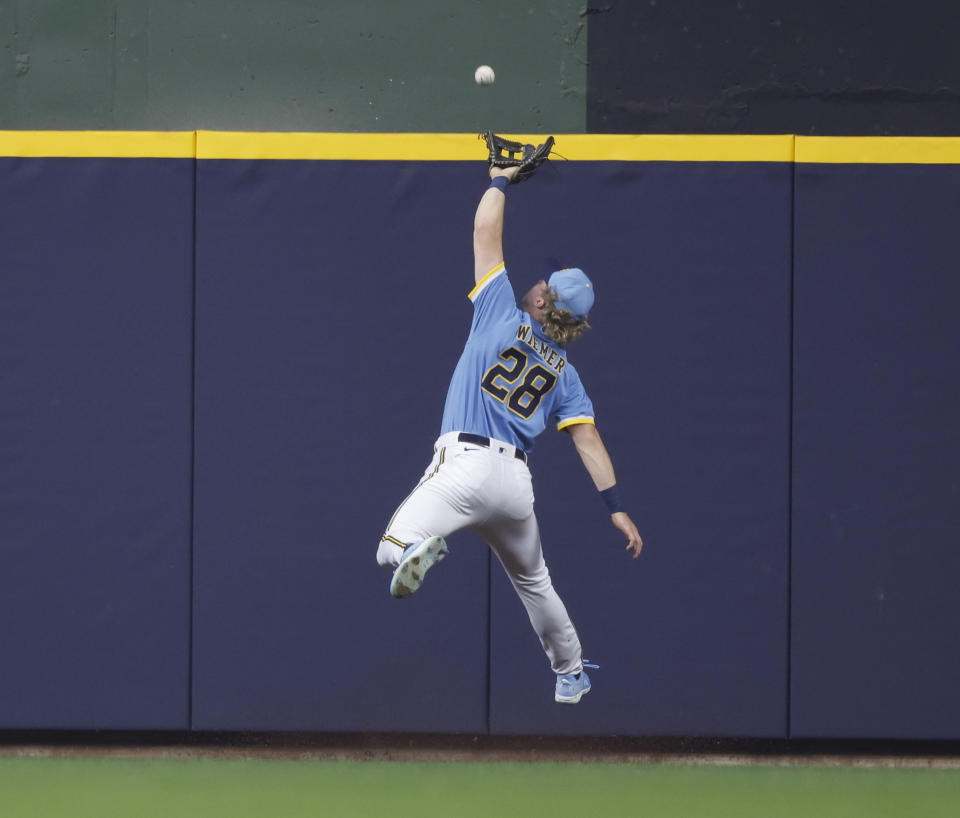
(409, 574)
(572, 687)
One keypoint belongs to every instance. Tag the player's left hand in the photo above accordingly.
(510, 173)
(622, 521)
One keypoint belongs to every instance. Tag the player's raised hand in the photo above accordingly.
(510, 173)
(622, 521)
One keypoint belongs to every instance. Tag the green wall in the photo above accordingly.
(369, 65)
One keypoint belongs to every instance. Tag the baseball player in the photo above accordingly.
(512, 379)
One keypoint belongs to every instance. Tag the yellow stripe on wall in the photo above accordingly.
(673, 148)
(400, 147)
(108, 144)
(467, 147)
(875, 150)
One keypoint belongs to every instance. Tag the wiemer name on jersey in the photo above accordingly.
(550, 356)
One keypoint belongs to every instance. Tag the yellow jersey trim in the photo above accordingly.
(563, 424)
(486, 280)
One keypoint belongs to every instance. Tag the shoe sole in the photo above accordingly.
(572, 699)
(408, 577)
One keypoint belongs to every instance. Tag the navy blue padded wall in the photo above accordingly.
(95, 439)
(688, 367)
(876, 509)
(331, 303)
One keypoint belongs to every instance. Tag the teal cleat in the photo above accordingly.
(572, 687)
(409, 574)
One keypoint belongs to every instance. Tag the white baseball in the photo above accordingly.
(484, 75)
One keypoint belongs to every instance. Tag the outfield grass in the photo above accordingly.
(133, 788)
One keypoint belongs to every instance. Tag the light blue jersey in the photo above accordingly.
(511, 380)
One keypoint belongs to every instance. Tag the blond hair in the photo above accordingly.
(559, 325)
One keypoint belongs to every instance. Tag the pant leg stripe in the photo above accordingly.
(443, 452)
(394, 540)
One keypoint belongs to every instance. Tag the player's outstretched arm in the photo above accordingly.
(488, 226)
(597, 461)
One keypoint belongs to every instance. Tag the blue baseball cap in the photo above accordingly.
(574, 291)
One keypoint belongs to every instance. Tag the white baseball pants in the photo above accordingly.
(488, 491)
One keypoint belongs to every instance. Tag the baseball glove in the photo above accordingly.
(506, 154)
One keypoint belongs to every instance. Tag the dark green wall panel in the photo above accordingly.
(292, 65)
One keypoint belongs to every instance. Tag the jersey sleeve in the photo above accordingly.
(493, 299)
(574, 405)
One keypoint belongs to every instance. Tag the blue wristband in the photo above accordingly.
(611, 497)
(500, 183)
